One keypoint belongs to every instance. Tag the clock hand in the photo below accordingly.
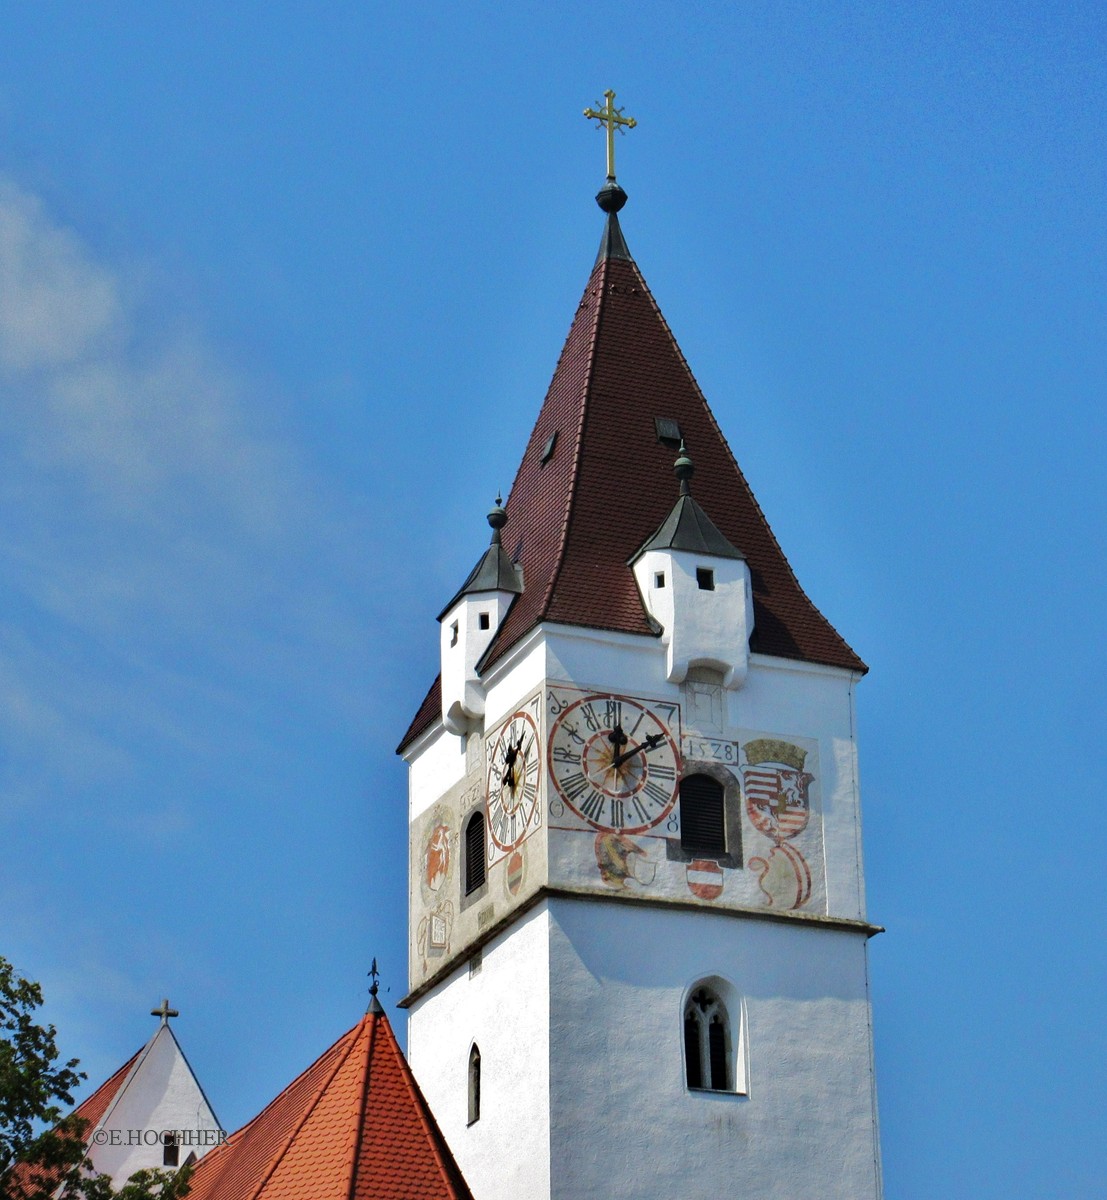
(651, 743)
(511, 754)
(617, 737)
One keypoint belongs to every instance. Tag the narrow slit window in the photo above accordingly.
(474, 1085)
(716, 1053)
(170, 1149)
(485, 621)
(705, 579)
(659, 579)
(702, 815)
(474, 853)
(693, 1065)
(453, 633)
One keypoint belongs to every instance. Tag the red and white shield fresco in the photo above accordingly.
(705, 879)
(777, 800)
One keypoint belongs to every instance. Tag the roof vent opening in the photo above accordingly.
(668, 432)
(548, 448)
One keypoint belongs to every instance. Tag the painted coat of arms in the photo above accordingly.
(777, 800)
(778, 804)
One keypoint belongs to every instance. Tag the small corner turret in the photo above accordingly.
(696, 586)
(468, 625)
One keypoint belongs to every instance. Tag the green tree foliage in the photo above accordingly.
(39, 1148)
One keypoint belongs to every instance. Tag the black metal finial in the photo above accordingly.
(497, 518)
(683, 469)
(611, 197)
(165, 1012)
(374, 1003)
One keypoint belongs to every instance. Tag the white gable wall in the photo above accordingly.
(161, 1093)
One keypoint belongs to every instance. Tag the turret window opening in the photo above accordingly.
(705, 579)
(474, 1084)
(474, 853)
(484, 621)
(659, 579)
(707, 1043)
(453, 633)
(702, 815)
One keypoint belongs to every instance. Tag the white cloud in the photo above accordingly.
(159, 533)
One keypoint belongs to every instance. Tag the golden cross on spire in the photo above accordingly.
(612, 117)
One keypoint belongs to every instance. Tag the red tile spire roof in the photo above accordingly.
(353, 1126)
(576, 518)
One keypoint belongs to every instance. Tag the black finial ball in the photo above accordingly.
(497, 518)
(683, 468)
(611, 197)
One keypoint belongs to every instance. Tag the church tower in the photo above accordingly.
(637, 914)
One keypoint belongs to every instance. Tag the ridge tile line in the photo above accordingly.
(276, 1159)
(600, 274)
(734, 460)
(359, 1128)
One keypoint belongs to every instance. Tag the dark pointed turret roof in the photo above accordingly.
(688, 527)
(579, 516)
(495, 571)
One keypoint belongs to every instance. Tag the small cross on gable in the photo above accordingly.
(164, 1011)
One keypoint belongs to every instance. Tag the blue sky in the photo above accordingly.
(281, 289)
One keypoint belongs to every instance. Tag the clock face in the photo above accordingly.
(513, 764)
(615, 763)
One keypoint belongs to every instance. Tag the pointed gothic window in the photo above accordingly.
(474, 1084)
(474, 853)
(702, 815)
(707, 1043)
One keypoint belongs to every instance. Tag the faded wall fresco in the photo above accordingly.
(503, 784)
(616, 763)
(582, 788)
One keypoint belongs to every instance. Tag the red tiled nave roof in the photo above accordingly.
(576, 520)
(91, 1111)
(353, 1126)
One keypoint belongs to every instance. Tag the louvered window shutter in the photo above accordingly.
(702, 815)
(474, 853)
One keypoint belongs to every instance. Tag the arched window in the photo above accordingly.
(702, 815)
(708, 1047)
(474, 853)
(474, 1084)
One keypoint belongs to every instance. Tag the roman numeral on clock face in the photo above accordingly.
(575, 785)
(592, 807)
(656, 794)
